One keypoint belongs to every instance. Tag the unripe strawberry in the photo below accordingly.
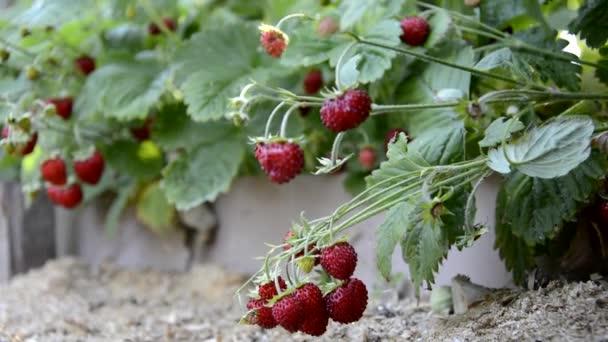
(155, 30)
(63, 106)
(281, 161)
(347, 303)
(308, 263)
(262, 314)
(268, 290)
(327, 27)
(339, 260)
(90, 170)
(32, 73)
(347, 111)
(367, 158)
(4, 55)
(274, 41)
(415, 30)
(68, 197)
(313, 82)
(53, 171)
(287, 312)
(85, 64)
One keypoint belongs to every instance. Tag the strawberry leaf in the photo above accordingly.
(442, 27)
(153, 209)
(388, 235)
(592, 23)
(374, 60)
(549, 151)
(564, 73)
(203, 173)
(53, 13)
(531, 211)
(424, 86)
(424, 245)
(498, 129)
(123, 91)
(307, 48)
(128, 156)
(211, 81)
(173, 129)
(435, 147)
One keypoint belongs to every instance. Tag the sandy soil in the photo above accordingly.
(68, 301)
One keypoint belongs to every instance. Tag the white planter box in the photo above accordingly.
(254, 212)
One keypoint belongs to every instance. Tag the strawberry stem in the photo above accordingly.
(292, 16)
(382, 109)
(429, 58)
(270, 118)
(335, 149)
(286, 119)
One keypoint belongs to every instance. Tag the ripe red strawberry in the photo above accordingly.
(347, 111)
(90, 170)
(85, 63)
(313, 82)
(143, 132)
(273, 41)
(269, 290)
(367, 157)
(281, 161)
(155, 30)
(68, 197)
(347, 303)
(53, 171)
(415, 30)
(262, 315)
(288, 312)
(327, 27)
(20, 149)
(392, 134)
(63, 106)
(314, 313)
(339, 260)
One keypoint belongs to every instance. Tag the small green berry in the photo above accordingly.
(32, 73)
(4, 55)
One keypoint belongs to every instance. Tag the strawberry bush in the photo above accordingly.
(165, 103)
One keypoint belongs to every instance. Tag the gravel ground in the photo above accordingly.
(67, 301)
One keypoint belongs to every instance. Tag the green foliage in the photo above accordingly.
(389, 234)
(563, 73)
(226, 68)
(549, 151)
(192, 179)
(134, 159)
(530, 211)
(123, 91)
(500, 129)
(154, 210)
(592, 23)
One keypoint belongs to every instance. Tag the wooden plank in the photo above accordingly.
(5, 252)
(29, 233)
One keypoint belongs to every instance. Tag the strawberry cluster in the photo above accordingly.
(54, 171)
(304, 307)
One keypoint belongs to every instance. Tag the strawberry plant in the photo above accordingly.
(165, 103)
